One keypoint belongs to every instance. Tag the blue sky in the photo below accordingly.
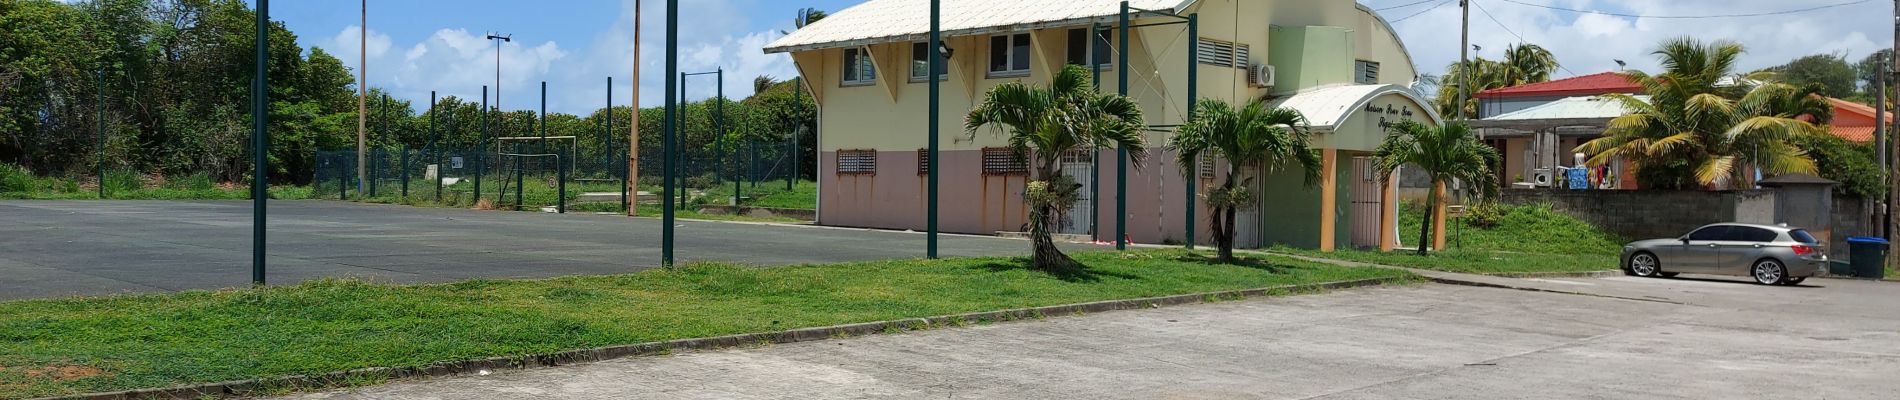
(417, 46)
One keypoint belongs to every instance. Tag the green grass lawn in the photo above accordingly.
(18, 184)
(1530, 238)
(68, 346)
(770, 194)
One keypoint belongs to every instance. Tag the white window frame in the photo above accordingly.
(1009, 52)
(1108, 47)
(917, 73)
(866, 77)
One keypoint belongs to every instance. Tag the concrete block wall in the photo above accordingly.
(1649, 214)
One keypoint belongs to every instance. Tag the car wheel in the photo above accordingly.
(1795, 281)
(1644, 265)
(1769, 272)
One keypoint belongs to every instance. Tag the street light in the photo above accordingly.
(499, 39)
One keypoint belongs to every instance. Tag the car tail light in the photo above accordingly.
(1802, 249)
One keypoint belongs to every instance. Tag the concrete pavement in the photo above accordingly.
(1697, 339)
(66, 248)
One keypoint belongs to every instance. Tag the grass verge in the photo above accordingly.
(1500, 239)
(1471, 261)
(70, 346)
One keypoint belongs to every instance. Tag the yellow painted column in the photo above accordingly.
(1388, 215)
(1328, 198)
(1438, 216)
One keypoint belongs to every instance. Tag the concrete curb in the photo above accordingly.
(1586, 274)
(338, 379)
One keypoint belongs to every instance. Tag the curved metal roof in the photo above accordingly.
(1326, 107)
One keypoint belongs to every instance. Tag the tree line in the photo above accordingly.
(170, 81)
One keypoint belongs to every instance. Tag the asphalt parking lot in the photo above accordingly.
(1618, 338)
(66, 248)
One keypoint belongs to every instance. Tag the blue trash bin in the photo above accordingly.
(1868, 255)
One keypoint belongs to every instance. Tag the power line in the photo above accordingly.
(1405, 5)
(1520, 38)
(1423, 11)
(1757, 14)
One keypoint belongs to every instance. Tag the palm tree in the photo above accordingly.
(1522, 65)
(1042, 124)
(1704, 126)
(1254, 135)
(1448, 153)
(763, 83)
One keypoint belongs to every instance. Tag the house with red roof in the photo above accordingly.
(1537, 127)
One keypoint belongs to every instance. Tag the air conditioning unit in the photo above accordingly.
(1260, 76)
(1541, 177)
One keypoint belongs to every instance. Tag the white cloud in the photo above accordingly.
(458, 61)
(346, 43)
(1588, 43)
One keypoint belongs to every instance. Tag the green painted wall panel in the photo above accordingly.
(1309, 56)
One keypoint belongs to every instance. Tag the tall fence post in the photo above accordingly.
(260, 142)
(101, 133)
(481, 149)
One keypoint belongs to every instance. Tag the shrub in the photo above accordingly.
(195, 182)
(122, 181)
(1485, 215)
(15, 178)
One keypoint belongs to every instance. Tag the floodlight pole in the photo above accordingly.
(260, 142)
(632, 174)
(1121, 152)
(672, 68)
(936, 45)
(1193, 94)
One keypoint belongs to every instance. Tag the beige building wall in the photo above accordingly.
(889, 116)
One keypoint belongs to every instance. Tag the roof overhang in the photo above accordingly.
(1327, 107)
(871, 22)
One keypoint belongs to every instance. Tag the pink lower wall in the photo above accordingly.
(977, 204)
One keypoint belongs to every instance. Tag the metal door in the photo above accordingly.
(1700, 252)
(1078, 165)
(1368, 203)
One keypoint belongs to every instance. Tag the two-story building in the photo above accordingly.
(1334, 60)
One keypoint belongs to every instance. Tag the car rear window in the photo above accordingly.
(1801, 235)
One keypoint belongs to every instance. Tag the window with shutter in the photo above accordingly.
(1002, 161)
(1224, 54)
(857, 162)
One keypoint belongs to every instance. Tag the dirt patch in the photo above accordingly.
(61, 373)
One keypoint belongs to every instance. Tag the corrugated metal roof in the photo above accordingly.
(1326, 107)
(1593, 84)
(883, 21)
(1591, 107)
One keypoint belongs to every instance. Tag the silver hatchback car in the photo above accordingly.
(1773, 255)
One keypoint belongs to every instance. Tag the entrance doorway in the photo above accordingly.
(1368, 203)
(1079, 165)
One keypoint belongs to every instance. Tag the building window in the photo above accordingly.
(1079, 48)
(858, 70)
(1207, 167)
(918, 68)
(923, 162)
(1366, 72)
(1009, 55)
(857, 162)
(1003, 161)
(1224, 54)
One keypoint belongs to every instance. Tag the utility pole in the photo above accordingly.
(936, 99)
(1464, 60)
(633, 139)
(1880, 139)
(260, 142)
(362, 100)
